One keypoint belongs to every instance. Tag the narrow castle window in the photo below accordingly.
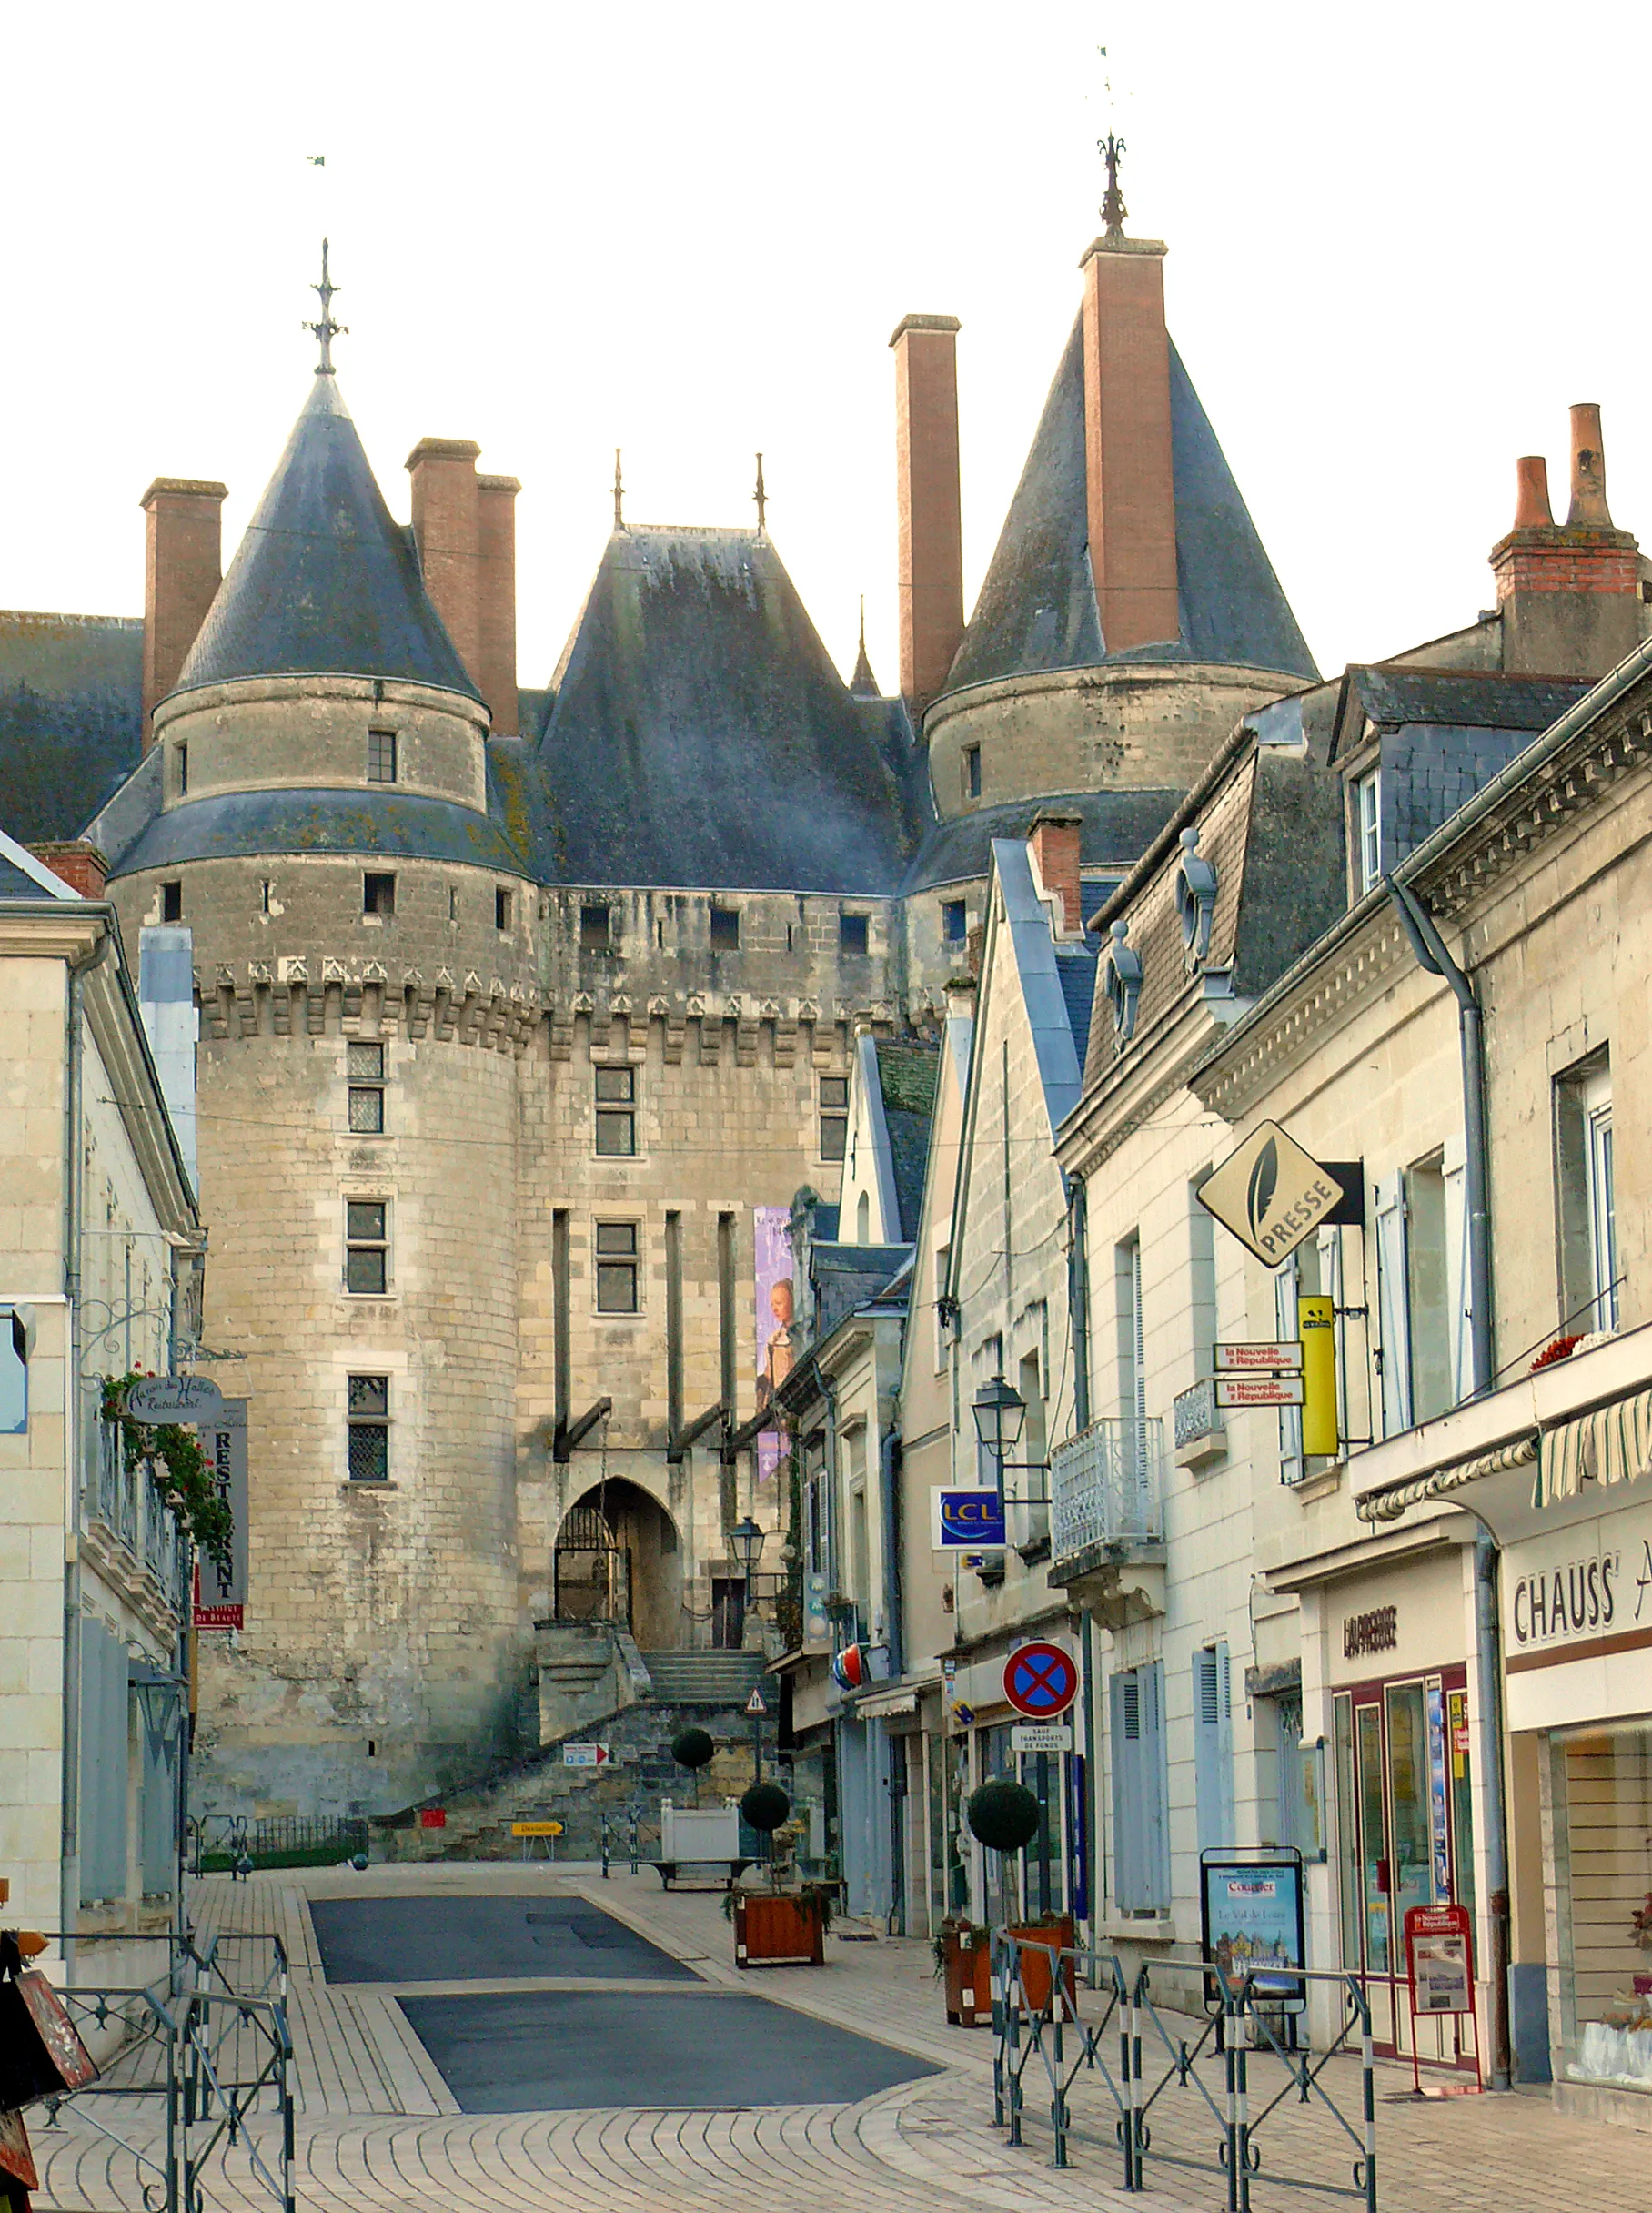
(182, 768)
(954, 921)
(615, 1268)
(596, 929)
(365, 1059)
(172, 901)
(834, 1117)
(853, 934)
(452, 904)
(377, 895)
(725, 929)
(615, 1110)
(370, 1433)
(501, 910)
(381, 756)
(971, 771)
(367, 1247)
(266, 891)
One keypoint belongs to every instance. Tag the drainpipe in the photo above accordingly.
(1078, 1298)
(1078, 1317)
(890, 1459)
(1433, 954)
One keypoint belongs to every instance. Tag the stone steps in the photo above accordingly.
(703, 1678)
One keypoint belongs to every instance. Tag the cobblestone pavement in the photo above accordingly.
(377, 2128)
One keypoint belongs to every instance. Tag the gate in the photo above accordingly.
(1238, 2076)
(196, 2077)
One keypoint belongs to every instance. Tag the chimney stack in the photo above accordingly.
(496, 547)
(79, 862)
(465, 528)
(183, 568)
(1569, 597)
(1054, 841)
(927, 485)
(1130, 478)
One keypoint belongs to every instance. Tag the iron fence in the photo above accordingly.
(1240, 2072)
(195, 2074)
(278, 1840)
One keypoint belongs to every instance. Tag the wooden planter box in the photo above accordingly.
(779, 1927)
(968, 1974)
(1035, 1966)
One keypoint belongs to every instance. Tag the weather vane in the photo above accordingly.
(760, 495)
(327, 330)
(619, 494)
(1113, 209)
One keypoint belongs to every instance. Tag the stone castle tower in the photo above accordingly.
(525, 1015)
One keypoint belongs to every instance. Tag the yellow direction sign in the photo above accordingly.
(536, 1828)
(1271, 1194)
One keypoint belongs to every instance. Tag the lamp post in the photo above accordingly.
(746, 1545)
(999, 1409)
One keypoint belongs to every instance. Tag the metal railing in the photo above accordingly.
(271, 1840)
(130, 1505)
(195, 2077)
(1107, 1486)
(1195, 1414)
(1240, 2073)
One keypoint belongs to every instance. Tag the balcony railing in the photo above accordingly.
(1107, 1486)
(130, 1504)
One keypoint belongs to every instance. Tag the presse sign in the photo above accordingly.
(1271, 1194)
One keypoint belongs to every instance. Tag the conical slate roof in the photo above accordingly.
(701, 736)
(324, 583)
(1037, 608)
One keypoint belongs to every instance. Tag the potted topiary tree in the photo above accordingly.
(692, 1749)
(1003, 1816)
(777, 1920)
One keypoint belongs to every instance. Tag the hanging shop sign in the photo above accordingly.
(185, 1398)
(1040, 1681)
(1270, 1194)
(1284, 1356)
(965, 1520)
(220, 1601)
(1258, 1390)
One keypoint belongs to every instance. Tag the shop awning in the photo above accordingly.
(1440, 1483)
(883, 1705)
(1611, 1445)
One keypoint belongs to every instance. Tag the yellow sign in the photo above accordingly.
(1316, 1319)
(536, 1828)
(1270, 1194)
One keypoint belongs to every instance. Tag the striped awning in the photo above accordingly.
(1613, 1444)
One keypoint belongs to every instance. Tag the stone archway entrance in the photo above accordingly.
(617, 1559)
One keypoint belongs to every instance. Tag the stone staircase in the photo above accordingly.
(720, 1679)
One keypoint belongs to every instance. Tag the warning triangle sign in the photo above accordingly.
(754, 1704)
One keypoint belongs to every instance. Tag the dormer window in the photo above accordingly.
(1195, 898)
(1122, 981)
(1368, 829)
(382, 765)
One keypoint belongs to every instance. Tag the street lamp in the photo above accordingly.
(746, 1543)
(999, 1409)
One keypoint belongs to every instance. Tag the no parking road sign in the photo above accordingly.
(1040, 1681)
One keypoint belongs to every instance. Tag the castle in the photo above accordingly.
(525, 1014)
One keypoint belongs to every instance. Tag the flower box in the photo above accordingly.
(966, 1967)
(778, 1926)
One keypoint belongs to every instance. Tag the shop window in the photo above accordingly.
(1605, 1915)
(369, 1428)
(616, 1111)
(364, 1067)
(381, 756)
(617, 1267)
(725, 929)
(1212, 1746)
(834, 1117)
(367, 1247)
(1587, 1210)
(377, 894)
(1141, 1831)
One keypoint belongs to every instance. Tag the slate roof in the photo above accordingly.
(701, 735)
(1075, 971)
(907, 1075)
(323, 582)
(395, 824)
(1037, 608)
(1464, 698)
(846, 1276)
(1117, 827)
(71, 717)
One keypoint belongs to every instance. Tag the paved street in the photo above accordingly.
(380, 2128)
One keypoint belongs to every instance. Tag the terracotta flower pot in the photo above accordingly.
(967, 1970)
(776, 1926)
(1035, 1966)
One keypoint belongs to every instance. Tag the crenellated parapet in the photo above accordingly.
(296, 995)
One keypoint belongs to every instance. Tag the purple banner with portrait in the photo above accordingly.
(776, 1312)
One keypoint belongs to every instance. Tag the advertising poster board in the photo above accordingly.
(1439, 1971)
(776, 1313)
(1252, 1916)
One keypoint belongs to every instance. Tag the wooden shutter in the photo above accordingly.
(1392, 1309)
(1458, 1287)
(1212, 1746)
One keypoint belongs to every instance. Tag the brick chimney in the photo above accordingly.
(82, 867)
(1568, 595)
(932, 526)
(1054, 843)
(1130, 480)
(496, 677)
(183, 568)
(465, 529)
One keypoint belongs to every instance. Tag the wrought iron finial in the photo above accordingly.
(1113, 209)
(327, 330)
(619, 494)
(863, 622)
(760, 495)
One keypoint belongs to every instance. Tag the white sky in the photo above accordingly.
(1401, 241)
